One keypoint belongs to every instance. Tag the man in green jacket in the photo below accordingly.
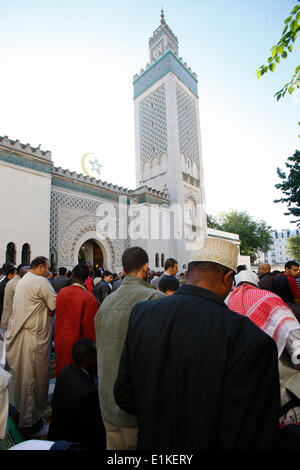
(111, 322)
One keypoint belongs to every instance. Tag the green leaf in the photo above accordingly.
(278, 96)
(295, 9)
(258, 73)
(284, 55)
(291, 89)
(290, 47)
(288, 20)
(278, 59)
(274, 51)
(272, 66)
(293, 26)
(284, 31)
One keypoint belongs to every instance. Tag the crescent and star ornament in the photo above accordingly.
(94, 164)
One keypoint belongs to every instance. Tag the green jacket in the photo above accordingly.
(111, 323)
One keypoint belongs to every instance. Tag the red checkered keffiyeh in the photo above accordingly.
(266, 310)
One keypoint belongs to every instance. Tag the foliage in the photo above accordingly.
(290, 186)
(254, 235)
(211, 222)
(281, 50)
(293, 247)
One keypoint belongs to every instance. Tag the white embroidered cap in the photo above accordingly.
(246, 276)
(217, 250)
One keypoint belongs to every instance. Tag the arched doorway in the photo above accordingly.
(25, 258)
(10, 256)
(91, 251)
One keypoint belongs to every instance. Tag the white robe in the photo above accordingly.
(28, 343)
(5, 380)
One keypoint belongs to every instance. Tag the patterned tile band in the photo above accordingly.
(167, 63)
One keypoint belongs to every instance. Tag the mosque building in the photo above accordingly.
(73, 218)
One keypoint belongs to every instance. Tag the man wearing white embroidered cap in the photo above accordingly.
(190, 367)
(270, 313)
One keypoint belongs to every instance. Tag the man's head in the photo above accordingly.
(135, 262)
(90, 266)
(62, 271)
(171, 266)
(11, 272)
(246, 276)
(20, 267)
(263, 268)
(292, 268)
(97, 273)
(40, 266)
(107, 276)
(80, 273)
(213, 266)
(24, 270)
(168, 285)
(211, 276)
(241, 267)
(7, 268)
(85, 355)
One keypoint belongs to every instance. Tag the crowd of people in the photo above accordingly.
(204, 359)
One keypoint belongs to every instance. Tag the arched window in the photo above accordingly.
(52, 262)
(157, 260)
(25, 259)
(162, 259)
(10, 253)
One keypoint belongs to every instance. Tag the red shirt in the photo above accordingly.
(75, 312)
(293, 286)
(89, 284)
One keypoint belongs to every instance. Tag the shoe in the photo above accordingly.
(42, 432)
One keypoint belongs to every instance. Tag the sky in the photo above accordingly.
(66, 73)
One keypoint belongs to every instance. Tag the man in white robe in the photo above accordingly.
(28, 344)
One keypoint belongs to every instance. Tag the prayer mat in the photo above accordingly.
(13, 437)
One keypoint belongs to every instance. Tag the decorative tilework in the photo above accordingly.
(161, 67)
(68, 200)
(77, 186)
(153, 124)
(72, 215)
(26, 162)
(187, 125)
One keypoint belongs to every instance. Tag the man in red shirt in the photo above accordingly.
(75, 312)
(89, 283)
(285, 285)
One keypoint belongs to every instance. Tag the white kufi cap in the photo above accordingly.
(218, 250)
(246, 276)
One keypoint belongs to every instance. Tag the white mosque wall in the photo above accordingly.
(25, 210)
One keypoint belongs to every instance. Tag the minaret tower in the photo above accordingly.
(167, 126)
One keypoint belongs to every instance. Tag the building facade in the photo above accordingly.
(277, 255)
(73, 218)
